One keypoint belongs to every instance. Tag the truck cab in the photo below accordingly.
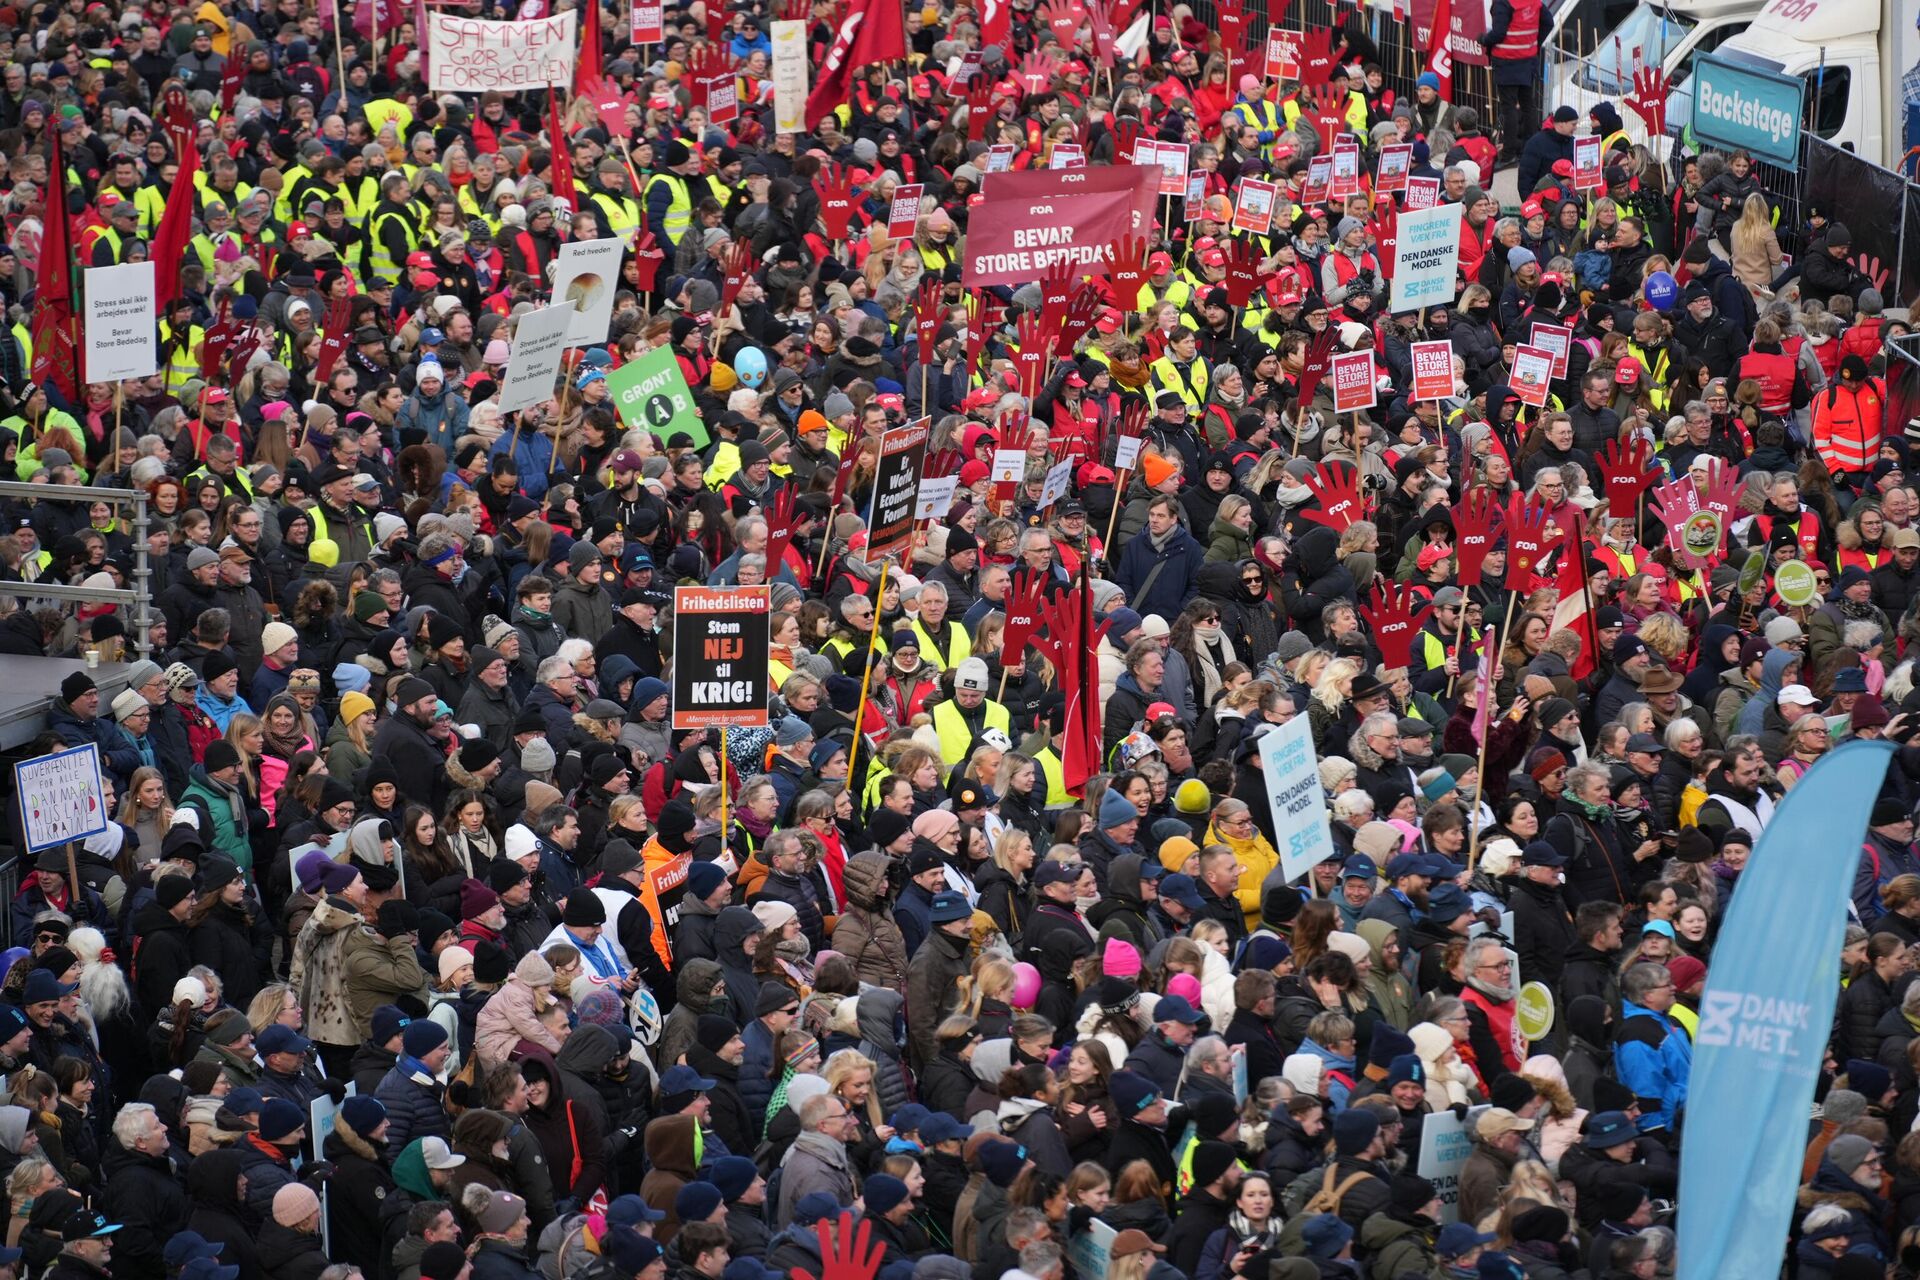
(1670, 36)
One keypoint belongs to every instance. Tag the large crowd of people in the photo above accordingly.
(424, 945)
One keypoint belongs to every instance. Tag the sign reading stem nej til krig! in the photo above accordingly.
(61, 797)
(720, 641)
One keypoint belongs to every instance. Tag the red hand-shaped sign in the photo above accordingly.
(1475, 517)
(783, 519)
(648, 259)
(1628, 468)
(1337, 486)
(848, 1254)
(1526, 536)
(1243, 271)
(1313, 367)
(835, 189)
(1023, 607)
(1649, 99)
(1392, 616)
(928, 307)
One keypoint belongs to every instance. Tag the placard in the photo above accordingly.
(1283, 54)
(1126, 452)
(723, 96)
(1345, 179)
(789, 74)
(473, 55)
(1253, 211)
(1067, 155)
(1426, 257)
(1557, 338)
(1319, 174)
(1091, 1252)
(1194, 206)
(1445, 1144)
(1422, 193)
(1532, 371)
(1351, 373)
(1396, 165)
(1059, 480)
(896, 487)
(1586, 163)
(122, 338)
(720, 671)
(1034, 223)
(539, 343)
(903, 215)
(1009, 466)
(1432, 370)
(1794, 582)
(965, 70)
(587, 274)
(61, 798)
(936, 497)
(1172, 159)
(1000, 157)
(647, 23)
(1297, 800)
(650, 392)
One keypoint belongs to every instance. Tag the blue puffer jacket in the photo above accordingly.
(412, 1098)
(1653, 1058)
(756, 1072)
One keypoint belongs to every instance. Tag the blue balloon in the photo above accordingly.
(750, 366)
(1662, 290)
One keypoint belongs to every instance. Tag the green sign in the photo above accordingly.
(1752, 570)
(1533, 1011)
(1796, 584)
(651, 393)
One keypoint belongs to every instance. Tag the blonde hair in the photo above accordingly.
(238, 728)
(1011, 838)
(992, 976)
(129, 805)
(1665, 634)
(1326, 690)
(849, 1064)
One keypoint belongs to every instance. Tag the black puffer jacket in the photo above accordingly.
(1313, 579)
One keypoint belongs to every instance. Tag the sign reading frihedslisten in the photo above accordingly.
(720, 646)
(1034, 221)
(896, 486)
(472, 55)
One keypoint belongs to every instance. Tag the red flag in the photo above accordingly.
(1439, 55)
(870, 31)
(1081, 758)
(56, 357)
(176, 226)
(1571, 612)
(586, 68)
(562, 183)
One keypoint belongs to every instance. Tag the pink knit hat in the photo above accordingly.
(1185, 984)
(1120, 960)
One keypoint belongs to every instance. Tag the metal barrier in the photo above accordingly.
(139, 595)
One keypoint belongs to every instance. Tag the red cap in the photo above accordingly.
(215, 395)
(1157, 263)
(1433, 554)
(1075, 380)
(1288, 293)
(1107, 321)
(1213, 258)
(1627, 372)
(661, 102)
(891, 400)
(981, 399)
(428, 280)
(923, 86)
(1159, 709)
(1094, 473)
(1563, 168)
(298, 231)
(1204, 243)
(1533, 208)
(420, 259)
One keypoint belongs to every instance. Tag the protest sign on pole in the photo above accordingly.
(1557, 338)
(473, 55)
(1253, 212)
(539, 341)
(1319, 174)
(720, 672)
(1297, 801)
(1344, 181)
(122, 340)
(647, 24)
(936, 497)
(1352, 376)
(61, 798)
(1036, 221)
(903, 215)
(587, 274)
(1432, 370)
(1396, 165)
(1067, 155)
(1422, 193)
(651, 392)
(1000, 158)
(1283, 54)
(1586, 163)
(1532, 371)
(896, 486)
(1194, 205)
(1059, 480)
(789, 75)
(1091, 1252)
(1425, 257)
(1445, 1144)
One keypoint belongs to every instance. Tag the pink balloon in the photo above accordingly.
(1026, 985)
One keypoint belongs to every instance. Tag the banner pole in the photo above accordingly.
(1480, 770)
(1119, 489)
(723, 777)
(866, 669)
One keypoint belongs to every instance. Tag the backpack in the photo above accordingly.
(1327, 1199)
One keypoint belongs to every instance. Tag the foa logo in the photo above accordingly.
(1749, 1021)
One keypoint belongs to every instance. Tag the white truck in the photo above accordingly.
(1669, 36)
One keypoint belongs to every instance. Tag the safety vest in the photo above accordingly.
(205, 192)
(183, 358)
(1807, 533)
(239, 474)
(1861, 558)
(1435, 650)
(1056, 774)
(152, 206)
(956, 735)
(1847, 422)
(378, 255)
(1775, 371)
(112, 238)
(961, 647)
(1178, 291)
(1620, 565)
(1522, 41)
(381, 110)
(1191, 382)
(621, 214)
(1658, 363)
(936, 257)
(680, 211)
(283, 203)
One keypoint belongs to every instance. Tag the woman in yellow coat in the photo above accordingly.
(1233, 826)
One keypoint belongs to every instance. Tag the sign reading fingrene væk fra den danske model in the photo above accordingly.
(720, 647)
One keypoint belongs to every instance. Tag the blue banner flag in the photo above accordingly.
(1765, 1018)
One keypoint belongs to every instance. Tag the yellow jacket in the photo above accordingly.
(1257, 859)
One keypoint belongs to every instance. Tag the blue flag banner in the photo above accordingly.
(1764, 1022)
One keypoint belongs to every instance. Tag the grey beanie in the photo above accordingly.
(1848, 1150)
(142, 671)
(1871, 303)
(837, 406)
(1291, 646)
(1347, 224)
(537, 756)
